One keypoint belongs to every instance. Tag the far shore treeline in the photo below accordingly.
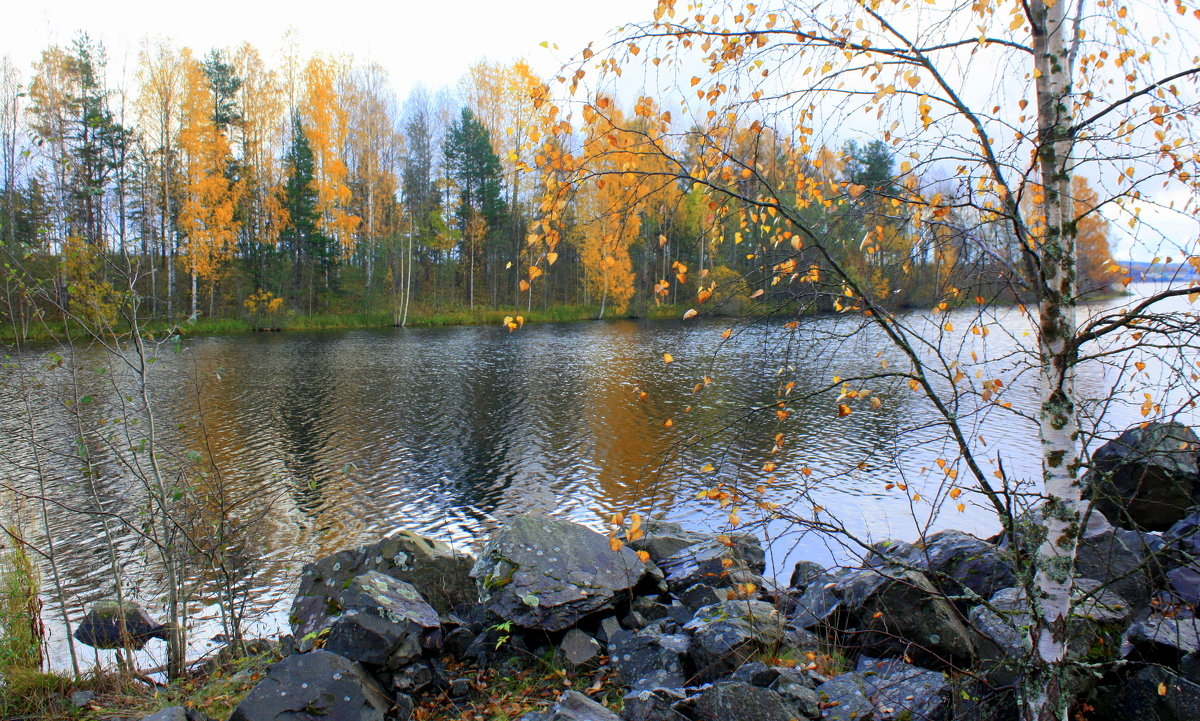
(221, 187)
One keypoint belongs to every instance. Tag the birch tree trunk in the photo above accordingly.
(1044, 696)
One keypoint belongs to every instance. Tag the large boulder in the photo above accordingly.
(727, 634)
(1147, 477)
(1116, 557)
(894, 611)
(1098, 619)
(902, 691)
(374, 619)
(1159, 639)
(111, 624)
(661, 539)
(658, 705)
(316, 685)
(738, 700)
(1149, 693)
(547, 574)
(439, 570)
(964, 567)
(715, 562)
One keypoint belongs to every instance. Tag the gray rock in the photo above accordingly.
(412, 679)
(803, 573)
(374, 619)
(1146, 478)
(110, 624)
(755, 673)
(845, 697)
(1184, 584)
(1182, 539)
(818, 604)
(459, 688)
(664, 538)
(898, 611)
(1151, 693)
(403, 706)
(439, 570)
(700, 595)
(798, 690)
(959, 563)
(1099, 618)
(573, 706)
(649, 609)
(79, 699)
(318, 684)
(903, 691)
(578, 648)
(547, 574)
(1116, 557)
(1164, 640)
(457, 641)
(609, 629)
(727, 634)
(706, 562)
(650, 659)
(737, 700)
(170, 713)
(657, 705)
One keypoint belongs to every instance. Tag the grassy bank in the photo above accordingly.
(46, 332)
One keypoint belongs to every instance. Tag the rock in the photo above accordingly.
(650, 659)
(1164, 640)
(412, 679)
(374, 619)
(439, 570)
(1182, 539)
(1150, 693)
(803, 573)
(403, 706)
(573, 706)
(705, 562)
(818, 604)
(1184, 584)
(578, 648)
(649, 609)
(1146, 478)
(657, 705)
(317, 684)
(609, 629)
(547, 574)
(1094, 629)
(102, 626)
(903, 691)
(170, 713)
(457, 641)
(959, 562)
(845, 698)
(755, 673)
(797, 689)
(727, 634)
(663, 538)
(1117, 558)
(897, 611)
(700, 595)
(737, 700)
(79, 699)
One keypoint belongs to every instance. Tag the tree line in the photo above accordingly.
(229, 186)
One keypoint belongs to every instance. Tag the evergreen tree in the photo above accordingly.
(473, 166)
(302, 238)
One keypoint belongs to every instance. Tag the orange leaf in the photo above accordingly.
(843, 410)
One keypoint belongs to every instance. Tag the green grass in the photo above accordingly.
(21, 634)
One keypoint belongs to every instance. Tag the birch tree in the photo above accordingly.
(1077, 86)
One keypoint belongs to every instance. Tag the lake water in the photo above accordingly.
(325, 440)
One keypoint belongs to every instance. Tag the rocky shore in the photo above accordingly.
(688, 628)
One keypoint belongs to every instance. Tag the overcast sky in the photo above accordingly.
(429, 42)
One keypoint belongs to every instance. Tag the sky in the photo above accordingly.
(431, 43)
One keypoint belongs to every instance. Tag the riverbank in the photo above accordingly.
(418, 318)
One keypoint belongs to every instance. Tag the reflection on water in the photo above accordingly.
(330, 439)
